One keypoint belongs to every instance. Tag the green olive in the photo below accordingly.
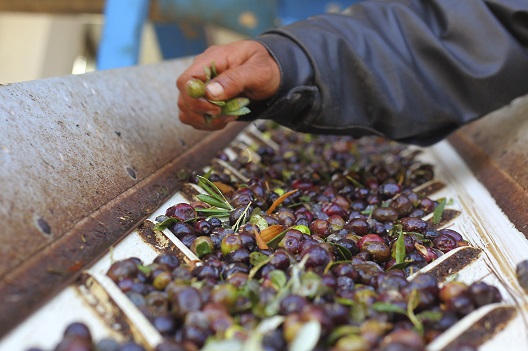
(195, 88)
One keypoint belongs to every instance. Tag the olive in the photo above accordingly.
(224, 294)
(162, 280)
(402, 205)
(184, 300)
(241, 255)
(181, 229)
(106, 344)
(379, 252)
(385, 214)
(164, 324)
(195, 88)
(231, 243)
(320, 227)
(78, 329)
(202, 227)
(202, 245)
(318, 257)
(445, 243)
(168, 259)
(123, 269)
(238, 213)
(182, 211)
(369, 238)
(349, 244)
(389, 190)
(292, 304)
(169, 345)
(482, 294)
(74, 343)
(358, 226)
(410, 224)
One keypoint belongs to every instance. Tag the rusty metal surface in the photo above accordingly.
(83, 160)
(496, 149)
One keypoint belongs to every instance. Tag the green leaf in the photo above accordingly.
(144, 269)
(211, 211)
(235, 104)
(161, 226)
(355, 182)
(203, 249)
(213, 70)
(213, 190)
(258, 220)
(255, 258)
(213, 201)
(342, 330)
(217, 103)
(240, 112)
(414, 300)
(386, 307)
(311, 285)
(302, 228)
(207, 72)
(433, 316)
(257, 267)
(307, 337)
(344, 301)
(400, 265)
(399, 252)
(278, 278)
(438, 211)
(213, 344)
(343, 251)
(273, 243)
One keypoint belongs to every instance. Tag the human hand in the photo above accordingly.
(245, 68)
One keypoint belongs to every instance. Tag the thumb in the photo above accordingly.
(228, 84)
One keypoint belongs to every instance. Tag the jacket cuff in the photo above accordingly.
(297, 92)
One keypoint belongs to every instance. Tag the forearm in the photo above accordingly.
(412, 71)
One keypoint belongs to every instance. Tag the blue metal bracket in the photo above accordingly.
(124, 20)
(121, 37)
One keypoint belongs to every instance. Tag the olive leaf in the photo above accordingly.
(386, 307)
(341, 331)
(414, 300)
(161, 226)
(232, 107)
(307, 337)
(256, 258)
(399, 252)
(240, 112)
(213, 194)
(438, 211)
(213, 201)
(278, 278)
(342, 251)
(257, 219)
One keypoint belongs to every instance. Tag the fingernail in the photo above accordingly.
(215, 89)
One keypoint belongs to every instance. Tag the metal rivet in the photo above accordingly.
(44, 226)
(131, 172)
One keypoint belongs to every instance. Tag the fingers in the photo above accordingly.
(201, 114)
(243, 69)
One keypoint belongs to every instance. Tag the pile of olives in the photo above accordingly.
(326, 230)
(318, 243)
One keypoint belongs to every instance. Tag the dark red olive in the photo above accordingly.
(416, 225)
(385, 214)
(183, 212)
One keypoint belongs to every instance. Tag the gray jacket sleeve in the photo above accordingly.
(410, 70)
